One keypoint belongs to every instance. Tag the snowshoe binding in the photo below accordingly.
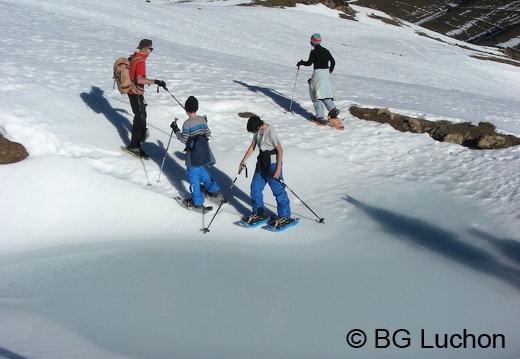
(319, 121)
(188, 204)
(135, 152)
(281, 224)
(334, 120)
(254, 220)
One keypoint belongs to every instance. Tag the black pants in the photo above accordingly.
(139, 127)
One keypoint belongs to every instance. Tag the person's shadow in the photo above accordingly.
(96, 101)
(508, 247)
(171, 170)
(424, 235)
(279, 99)
(235, 196)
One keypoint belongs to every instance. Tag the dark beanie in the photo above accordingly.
(144, 43)
(192, 104)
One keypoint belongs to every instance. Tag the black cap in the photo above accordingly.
(144, 43)
(192, 104)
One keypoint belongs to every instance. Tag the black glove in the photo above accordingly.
(160, 83)
(299, 63)
(174, 126)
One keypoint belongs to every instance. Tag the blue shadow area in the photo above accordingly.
(282, 101)
(422, 234)
(8, 354)
(172, 170)
(97, 102)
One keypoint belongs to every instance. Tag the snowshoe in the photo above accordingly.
(334, 120)
(188, 204)
(319, 121)
(254, 220)
(337, 124)
(281, 224)
(135, 152)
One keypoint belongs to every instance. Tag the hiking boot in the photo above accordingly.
(134, 151)
(254, 218)
(333, 113)
(281, 222)
(190, 204)
(215, 194)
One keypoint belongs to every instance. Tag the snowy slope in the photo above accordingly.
(99, 261)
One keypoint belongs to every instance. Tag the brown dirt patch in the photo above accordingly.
(480, 137)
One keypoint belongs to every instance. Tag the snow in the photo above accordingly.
(98, 261)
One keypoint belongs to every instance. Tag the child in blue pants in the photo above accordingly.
(268, 171)
(195, 134)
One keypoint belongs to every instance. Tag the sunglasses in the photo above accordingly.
(150, 48)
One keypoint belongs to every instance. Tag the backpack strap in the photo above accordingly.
(134, 59)
(136, 90)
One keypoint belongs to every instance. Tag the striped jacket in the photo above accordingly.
(195, 134)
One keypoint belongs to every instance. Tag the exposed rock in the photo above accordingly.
(481, 137)
(483, 22)
(11, 152)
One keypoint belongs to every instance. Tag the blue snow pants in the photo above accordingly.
(196, 176)
(260, 179)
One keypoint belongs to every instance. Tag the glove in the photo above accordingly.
(174, 127)
(299, 63)
(160, 83)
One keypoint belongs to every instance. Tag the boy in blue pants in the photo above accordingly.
(268, 171)
(195, 134)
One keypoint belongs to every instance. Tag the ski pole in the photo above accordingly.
(173, 97)
(294, 88)
(321, 220)
(206, 230)
(166, 152)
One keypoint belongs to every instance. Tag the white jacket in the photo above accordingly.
(320, 86)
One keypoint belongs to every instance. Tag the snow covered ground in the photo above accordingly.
(97, 260)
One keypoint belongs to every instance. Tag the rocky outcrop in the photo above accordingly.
(482, 136)
(11, 152)
(482, 22)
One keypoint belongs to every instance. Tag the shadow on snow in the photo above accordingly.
(171, 170)
(8, 354)
(420, 233)
(99, 104)
(279, 100)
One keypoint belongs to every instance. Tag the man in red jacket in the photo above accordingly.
(136, 96)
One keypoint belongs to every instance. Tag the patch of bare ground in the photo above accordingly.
(390, 21)
(341, 5)
(11, 152)
(510, 57)
(479, 137)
